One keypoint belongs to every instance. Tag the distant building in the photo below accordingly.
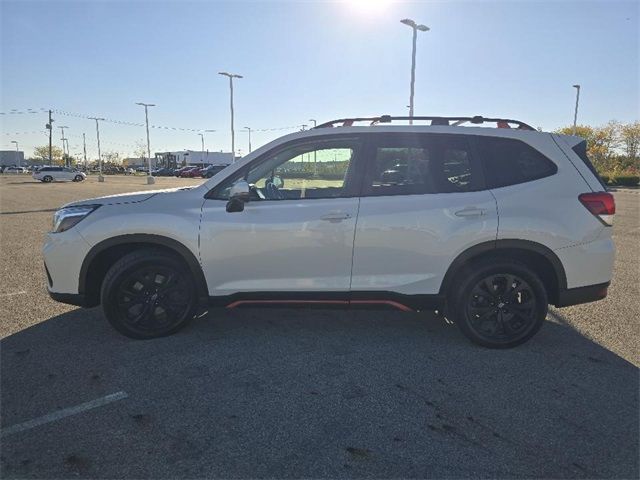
(11, 157)
(192, 157)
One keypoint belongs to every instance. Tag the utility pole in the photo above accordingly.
(100, 177)
(575, 114)
(248, 129)
(415, 27)
(233, 141)
(84, 148)
(150, 179)
(50, 128)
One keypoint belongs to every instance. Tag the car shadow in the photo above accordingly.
(287, 393)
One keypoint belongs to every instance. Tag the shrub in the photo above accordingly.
(605, 178)
(627, 180)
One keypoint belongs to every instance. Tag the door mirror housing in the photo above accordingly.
(238, 195)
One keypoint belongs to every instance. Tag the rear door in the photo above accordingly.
(422, 204)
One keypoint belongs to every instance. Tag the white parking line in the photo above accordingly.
(21, 292)
(65, 412)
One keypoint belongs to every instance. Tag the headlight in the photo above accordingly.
(65, 218)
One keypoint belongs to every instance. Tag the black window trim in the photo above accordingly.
(374, 141)
(351, 186)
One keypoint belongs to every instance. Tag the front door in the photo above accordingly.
(296, 232)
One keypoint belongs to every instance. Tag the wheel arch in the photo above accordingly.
(105, 253)
(539, 258)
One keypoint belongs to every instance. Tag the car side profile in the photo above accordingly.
(487, 225)
(58, 174)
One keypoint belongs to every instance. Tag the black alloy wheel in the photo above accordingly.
(500, 305)
(148, 294)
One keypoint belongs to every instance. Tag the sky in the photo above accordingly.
(302, 60)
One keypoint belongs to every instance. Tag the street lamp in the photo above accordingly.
(202, 138)
(248, 129)
(97, 119)
(233, 142)
(315, 159)
(64, 152)
(575, 114)
(17, 153)
(415, 27)
(150, 179)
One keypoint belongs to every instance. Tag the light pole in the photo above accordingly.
(415, 27)
(64, 153)
(65, 144)
(150, 179)
(17, 153)
(315, 159)
(233, 142)
(100, 177)
(202, 138)
(575, 114)
(84, 149)
(248, 129)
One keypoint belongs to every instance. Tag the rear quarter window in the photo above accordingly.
(508, 161)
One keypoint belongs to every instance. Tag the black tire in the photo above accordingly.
(498, 303)
(47, 179)
(78, 178)
(148, 294)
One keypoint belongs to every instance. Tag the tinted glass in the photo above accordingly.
(581, 150)
(509, 162)
(412, 164)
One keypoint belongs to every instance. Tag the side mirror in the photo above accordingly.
(238, 195)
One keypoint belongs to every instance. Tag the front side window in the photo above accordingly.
(304, 171)
(509, 162)
(419, 164)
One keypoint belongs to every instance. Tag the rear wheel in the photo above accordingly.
(148, 294)
(498, 304)
(47, 179)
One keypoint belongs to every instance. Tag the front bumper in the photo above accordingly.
(76, 299)
(63, 255)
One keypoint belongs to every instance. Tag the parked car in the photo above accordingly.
(180, 171)
(129, 171)
(487, 225)
(192, 173)
(14, 169)
(57, 174)
(163, 172)
(211, 170)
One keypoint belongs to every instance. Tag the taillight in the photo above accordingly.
(601, 205)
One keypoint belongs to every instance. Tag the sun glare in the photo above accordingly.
(368, 7)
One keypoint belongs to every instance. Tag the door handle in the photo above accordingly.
(471, 212)
(335, 216)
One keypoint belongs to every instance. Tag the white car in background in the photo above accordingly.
(58, 174)
(14, 170)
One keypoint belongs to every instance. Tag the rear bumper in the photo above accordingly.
(576, 296)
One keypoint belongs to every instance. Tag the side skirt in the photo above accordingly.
(340, 300)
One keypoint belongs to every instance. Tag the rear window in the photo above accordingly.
(581, 150)
(510, 162)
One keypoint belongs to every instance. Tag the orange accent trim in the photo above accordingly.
(391, 303)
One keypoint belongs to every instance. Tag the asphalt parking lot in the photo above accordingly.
(322, 394)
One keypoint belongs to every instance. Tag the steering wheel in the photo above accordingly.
(256, 191)
(272, 192)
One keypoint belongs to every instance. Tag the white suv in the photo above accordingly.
(488, 225)
(50, 174)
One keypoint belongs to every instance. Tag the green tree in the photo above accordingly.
(630, 139)
(41, 154)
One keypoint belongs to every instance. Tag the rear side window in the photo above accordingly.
(420, 164)
(581, 150)
(509, 162)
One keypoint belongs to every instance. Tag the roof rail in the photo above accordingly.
(453, 121)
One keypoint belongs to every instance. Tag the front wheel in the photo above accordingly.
(498, 304)
(78, 178)
(148, 294)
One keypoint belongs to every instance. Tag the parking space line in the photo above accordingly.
(21, 292)
(65, 412)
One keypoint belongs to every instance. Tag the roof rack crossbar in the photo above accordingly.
(476, 120)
